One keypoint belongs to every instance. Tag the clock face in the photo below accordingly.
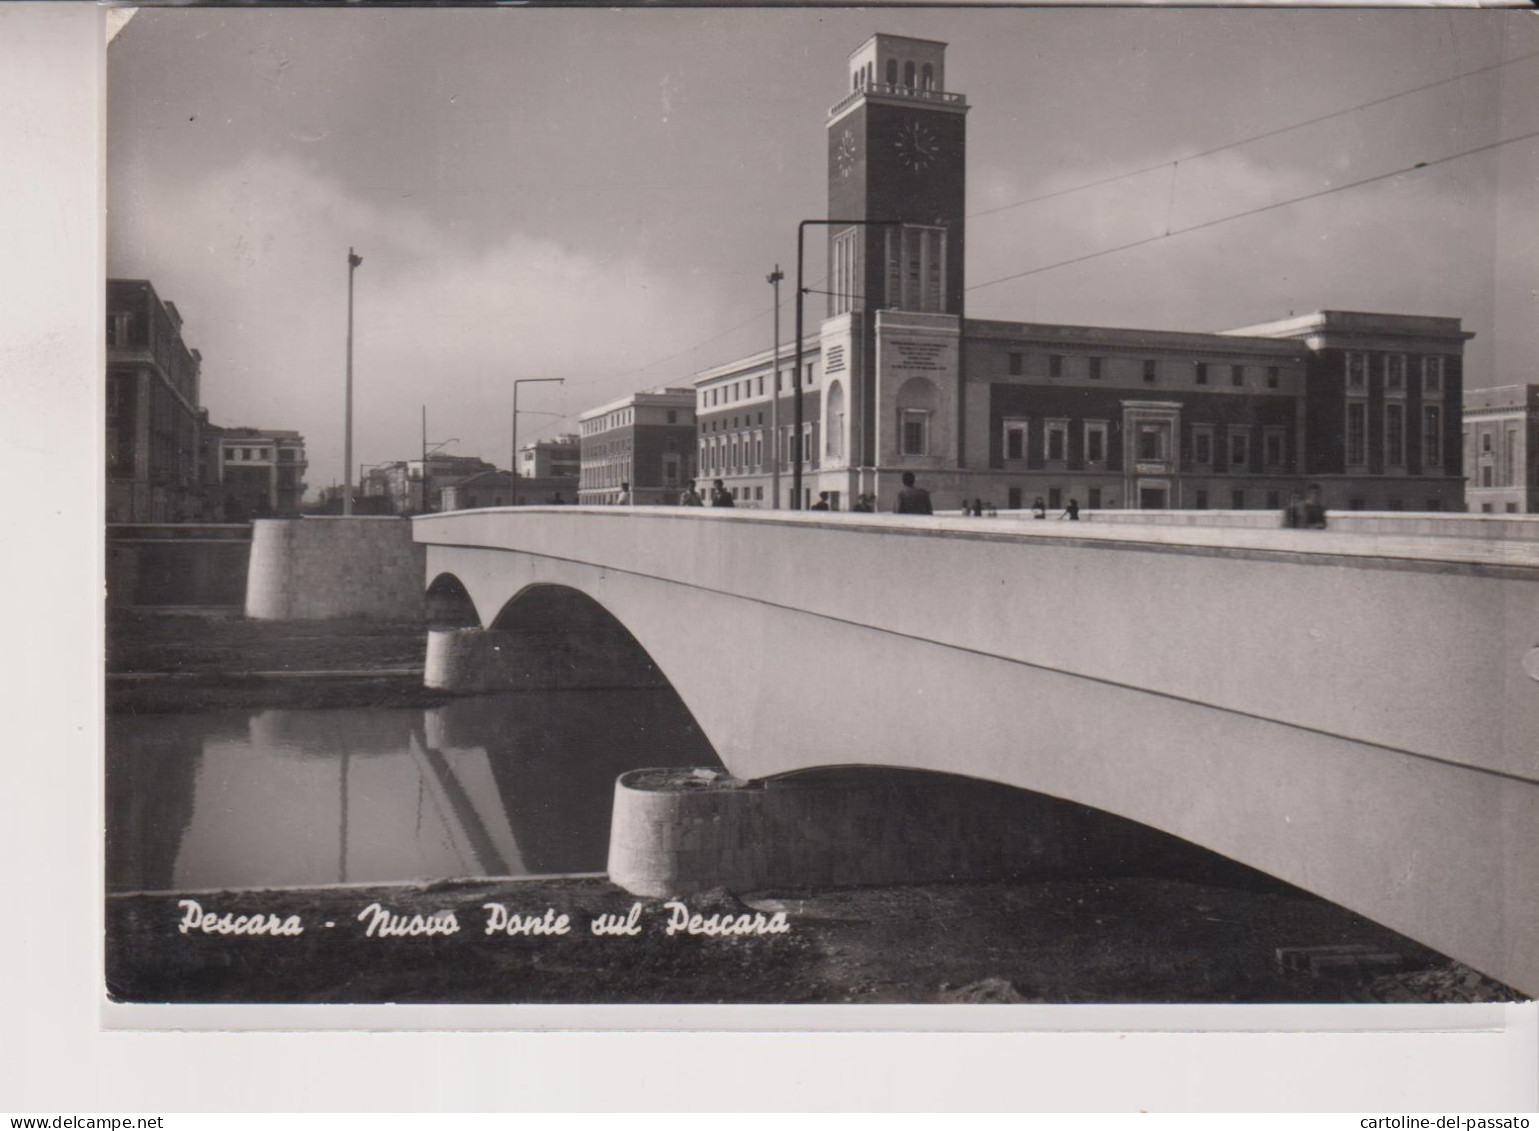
(917, 146)
(844, 156)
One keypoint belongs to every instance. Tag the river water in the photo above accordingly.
(494, 785)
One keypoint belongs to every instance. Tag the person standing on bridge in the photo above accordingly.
(822, 503)
(1038, 508)
(691, 497)
(912, 499)
(863, 505)
(1070, 512)
(1314, 509)
(720, 496)
(623, 499)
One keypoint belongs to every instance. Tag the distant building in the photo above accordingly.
(1501, 449)
(647, 440)
(742, 428)
(409, 491)
(261, 473)
(559, 457)
(495, 489)
(153, 412)
(896, 380)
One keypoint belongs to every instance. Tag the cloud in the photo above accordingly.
(254, 255)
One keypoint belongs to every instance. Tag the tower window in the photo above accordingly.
(908, 75)
(916, 268)
(927, 77)
(892, 72)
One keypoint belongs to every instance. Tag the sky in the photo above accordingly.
(598, 196)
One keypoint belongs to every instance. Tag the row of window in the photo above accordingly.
(1395, 369)
(914, 275)
(1203, 372)
(738, 454)
(1153, 441)
(734, 391)
(914, 77)
(1393, 423)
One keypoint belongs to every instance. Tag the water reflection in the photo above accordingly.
(490, 785)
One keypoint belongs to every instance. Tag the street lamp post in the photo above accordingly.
(513, 463)
(796, 378)
(353, 262)
(773, 279)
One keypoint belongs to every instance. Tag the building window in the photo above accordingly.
(1094, 501)
(1431, 436)
(1202, 499)
(1394, 374)
(1273, 449)
(1054, 498)
(1239, 450)
(1237, 499)
(1095, 442)
(1273, 376)
(1013, 498)
(1151, 369)
(1015, 363)
(1152, 441)
(1394, 433)
(892, 72)
(1237, 375)
(1432, 376)
(1357, 372)
(1057, 441)
(1015, 439)
(908, 75)
(1095, 368)
(1273, 500)
(915, 432)
(1202, 373)
(843, 271)
(1055, 365)
(1202, 445)
(927, 78)
(1357, 433)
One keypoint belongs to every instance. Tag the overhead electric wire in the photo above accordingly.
(1247, 140)
(1254, 211)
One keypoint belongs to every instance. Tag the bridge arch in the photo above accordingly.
(449, 604)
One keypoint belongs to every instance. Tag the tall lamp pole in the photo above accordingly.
(353, 262)
(773, 279)
(796, 378)
(513, 463)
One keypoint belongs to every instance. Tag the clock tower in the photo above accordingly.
(896, 152)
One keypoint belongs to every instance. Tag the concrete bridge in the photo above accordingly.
(1357, 714)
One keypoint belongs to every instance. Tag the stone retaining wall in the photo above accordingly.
(181, 565)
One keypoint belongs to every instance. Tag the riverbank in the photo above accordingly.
(159, 662)
(1136, 939)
